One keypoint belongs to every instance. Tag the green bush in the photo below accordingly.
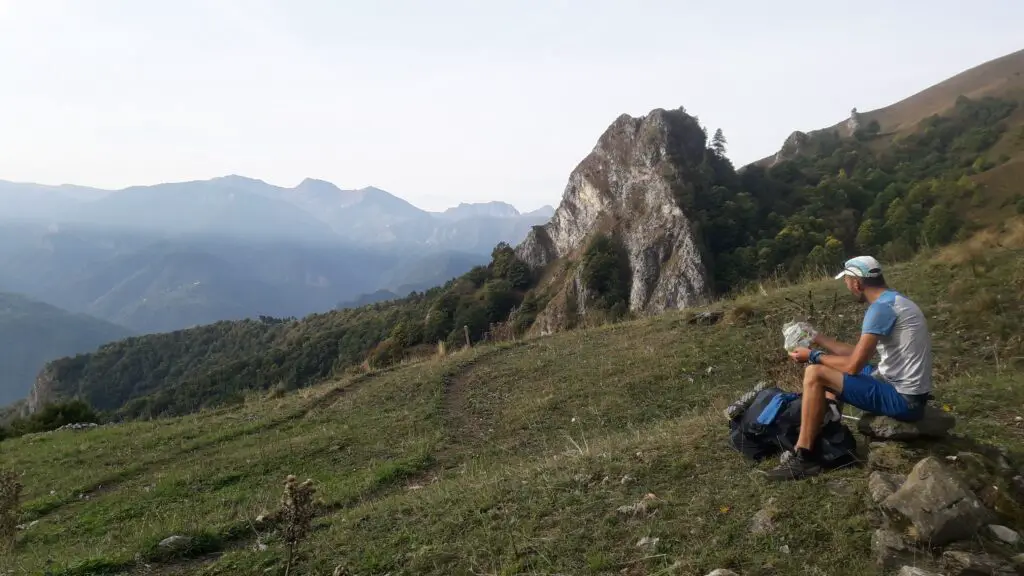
(53, 416)
(605, 272)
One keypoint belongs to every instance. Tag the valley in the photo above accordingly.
(548, 401)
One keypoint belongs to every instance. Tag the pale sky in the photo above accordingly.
(444, 101)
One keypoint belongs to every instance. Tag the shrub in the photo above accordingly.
(297, 511)
(605, 272)
(53, 416)
(10, 492)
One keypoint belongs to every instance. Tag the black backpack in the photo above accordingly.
(771, 425)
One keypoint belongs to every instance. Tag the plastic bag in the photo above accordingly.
(798, 335)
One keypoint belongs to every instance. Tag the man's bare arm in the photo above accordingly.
(854, 362)
(834, 346)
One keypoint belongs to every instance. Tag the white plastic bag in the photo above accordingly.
(798, 335)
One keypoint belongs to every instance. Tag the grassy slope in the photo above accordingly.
(513, 460)
(1002, 77)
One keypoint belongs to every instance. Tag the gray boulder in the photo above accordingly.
(891, 550)
(957, 563)
(175, 543)
(1004, 534)
(938, 504)
(881, 485)
(915, 571)
(935, 424)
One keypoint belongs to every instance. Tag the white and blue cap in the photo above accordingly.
(861, 267)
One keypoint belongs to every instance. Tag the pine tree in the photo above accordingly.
(718, 142)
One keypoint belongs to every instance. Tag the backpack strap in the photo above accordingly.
(771, 411)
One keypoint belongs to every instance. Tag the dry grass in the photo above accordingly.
(10, 495)
(1000, 77)
(977, 249)
(296, 517)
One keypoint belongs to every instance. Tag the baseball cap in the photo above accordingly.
(861, 267)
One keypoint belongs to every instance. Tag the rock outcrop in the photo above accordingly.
(940, 506)
(626, 188)
(934, 424)
(42, 392)
(792, 147)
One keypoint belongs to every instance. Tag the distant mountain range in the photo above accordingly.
(245, 208)
(170, 256)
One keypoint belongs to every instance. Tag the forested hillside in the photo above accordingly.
(33, 333)
(841, 195)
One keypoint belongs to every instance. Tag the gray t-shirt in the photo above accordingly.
(904, 344)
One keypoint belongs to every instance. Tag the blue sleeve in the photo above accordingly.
(879, 319)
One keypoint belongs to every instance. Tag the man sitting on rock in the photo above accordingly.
(900, 386)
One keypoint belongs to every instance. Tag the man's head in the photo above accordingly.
(862, 274)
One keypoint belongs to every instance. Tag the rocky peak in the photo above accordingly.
(492, 209)
(625, 187)
(792, 147)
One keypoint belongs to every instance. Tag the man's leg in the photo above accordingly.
(820, 382)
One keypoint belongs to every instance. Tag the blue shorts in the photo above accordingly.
(878, 397)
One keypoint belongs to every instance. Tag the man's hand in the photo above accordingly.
(801, 355)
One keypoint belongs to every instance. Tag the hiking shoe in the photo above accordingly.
(793, 467)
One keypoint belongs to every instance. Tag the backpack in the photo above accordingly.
(771, 424)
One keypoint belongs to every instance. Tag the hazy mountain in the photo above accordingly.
(33, 333)
(169, 256)
(239, 207)
(484, 209)
(544, 213)
(159, 283)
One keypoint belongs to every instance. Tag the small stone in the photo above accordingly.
(1004, 534)
(1019, 419)
(957, 563)
(840, 487)
(638, 508)
(721, 572)
(915, 571)
(26, 526)
(934, 424)
(784, 549)
(939, 505)
(626, 479)
(706, 318)
(175, 542)
(881, 485)
(648, 542)
(763, 522)
(890, 550)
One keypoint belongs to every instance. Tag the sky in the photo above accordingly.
(444, 101)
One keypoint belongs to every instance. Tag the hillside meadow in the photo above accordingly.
(516, 458)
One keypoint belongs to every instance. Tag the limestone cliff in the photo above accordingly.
(627, 187)
(42, 392)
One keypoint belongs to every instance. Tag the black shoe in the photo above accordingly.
(795, 467)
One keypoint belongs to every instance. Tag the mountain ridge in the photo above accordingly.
(653, 218)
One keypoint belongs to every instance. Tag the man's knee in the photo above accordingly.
(814, 374)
